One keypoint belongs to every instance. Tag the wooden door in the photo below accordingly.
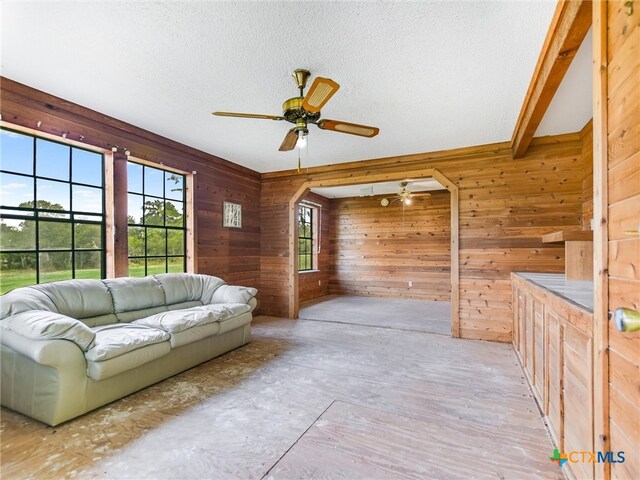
(623, 165)
(617, 214)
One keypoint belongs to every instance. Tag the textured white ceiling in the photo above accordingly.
(380, 188)
(432, 75)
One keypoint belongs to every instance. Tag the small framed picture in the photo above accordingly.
(231, 215)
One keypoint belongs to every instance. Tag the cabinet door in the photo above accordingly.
(514, 302)
(522, 304)
(539, 353)
(529, 338)
(577, 396)
(554, 376)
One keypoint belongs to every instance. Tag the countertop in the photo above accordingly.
(579, 292)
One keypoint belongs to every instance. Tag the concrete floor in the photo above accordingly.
(402, 314)
(307, 399)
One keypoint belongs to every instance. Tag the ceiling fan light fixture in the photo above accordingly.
(302, 139)
(407, 201)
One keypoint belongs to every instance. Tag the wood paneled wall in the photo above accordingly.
(377, 250)
(232, 254)
(622, 164)
(505, 206)
(315, 284)
(586, 135)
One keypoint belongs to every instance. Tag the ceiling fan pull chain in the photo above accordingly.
(299, 163)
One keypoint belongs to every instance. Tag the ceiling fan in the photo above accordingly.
(404, 196)
(305, 109)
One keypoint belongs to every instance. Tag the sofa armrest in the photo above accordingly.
(53, 353)
(45, 325)
(233, 294)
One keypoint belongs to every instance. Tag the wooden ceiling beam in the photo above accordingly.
(569, 26)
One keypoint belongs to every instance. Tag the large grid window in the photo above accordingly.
(156, 218)
(305, 238)
(52, 219)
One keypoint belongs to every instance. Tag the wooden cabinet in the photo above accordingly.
(553, 342)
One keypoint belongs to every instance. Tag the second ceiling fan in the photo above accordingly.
(404, 196)
(305, 109)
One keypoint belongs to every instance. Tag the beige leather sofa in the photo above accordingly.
(69, 347)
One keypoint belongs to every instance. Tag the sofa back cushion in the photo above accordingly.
(24, 299)
(131, 294)
(86, 300)
(188, 287)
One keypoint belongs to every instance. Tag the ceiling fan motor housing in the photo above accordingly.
(292, 111)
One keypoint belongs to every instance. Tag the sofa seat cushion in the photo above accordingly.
(115, 340)
(194, 334)
(228, 317)
(178, 320)
(225, 311)
(127, 361)
(235, 322)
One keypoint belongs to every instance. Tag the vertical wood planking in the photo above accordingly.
(600, 240)
(586, 136)
(622, 182)
(504, 207)
(378, 250)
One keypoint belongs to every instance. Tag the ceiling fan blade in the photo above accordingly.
(289, 141)
(421, 194)
(351, 128)
(321, 90)
(248, 115)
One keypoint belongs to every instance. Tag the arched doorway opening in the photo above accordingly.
(293, 296)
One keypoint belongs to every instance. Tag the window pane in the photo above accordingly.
(54, 235)
(174, 186)
(87, 167)
(52, 159)
(175, 242)
(88, 265)
(136, 241)
(153, 211)
(174, 213)
(160, 205)
(17, 270)
(136, 267)
(52, 195)
(87, 199)
(176, 264)
(156, 241)
(88, 236)
(17, 234)
(16, 151)
(50, 227)
(134, 209)
(134, 177)
(156, 265)
(55, 266)
(153, 181)
(16, 190)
